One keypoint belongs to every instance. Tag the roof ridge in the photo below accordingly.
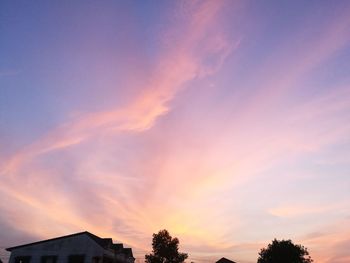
(46, 240)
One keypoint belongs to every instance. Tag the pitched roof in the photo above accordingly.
(103, 242)
(51, 239)
(225, 260)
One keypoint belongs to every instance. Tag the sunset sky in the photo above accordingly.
(225, 122)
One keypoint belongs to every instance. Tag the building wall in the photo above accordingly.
(63, 248)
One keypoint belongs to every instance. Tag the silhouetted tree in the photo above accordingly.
(284, 251)
(165, 249)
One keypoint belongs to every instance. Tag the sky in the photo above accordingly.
(225, 122)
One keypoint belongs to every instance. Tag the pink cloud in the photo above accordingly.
(177, 66)
(332, 244)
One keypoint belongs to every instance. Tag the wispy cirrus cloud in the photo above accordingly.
(197, 40)
(176, 67)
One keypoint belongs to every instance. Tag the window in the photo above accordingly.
(107, 259)
(48, 259)
(76, 259)
(22, 259)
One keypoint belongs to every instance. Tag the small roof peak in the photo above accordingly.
(225, 260)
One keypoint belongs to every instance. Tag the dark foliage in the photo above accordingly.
(165, 249)
(284, 251)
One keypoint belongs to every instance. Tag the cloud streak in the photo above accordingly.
(177, 66)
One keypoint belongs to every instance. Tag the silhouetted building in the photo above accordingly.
(225, 260)
(82, 247)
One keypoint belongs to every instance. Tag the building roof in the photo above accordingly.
(118, 247)
(225, 260)
(106, 243)
(127, 252)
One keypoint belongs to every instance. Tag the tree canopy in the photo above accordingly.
(165, 249)
(284, 251)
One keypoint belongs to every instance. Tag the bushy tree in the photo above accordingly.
(165, 249)
(284, 251)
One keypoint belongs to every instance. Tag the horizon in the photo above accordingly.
(224, 122)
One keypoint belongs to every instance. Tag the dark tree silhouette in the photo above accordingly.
(284, 251)
(165, 249)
